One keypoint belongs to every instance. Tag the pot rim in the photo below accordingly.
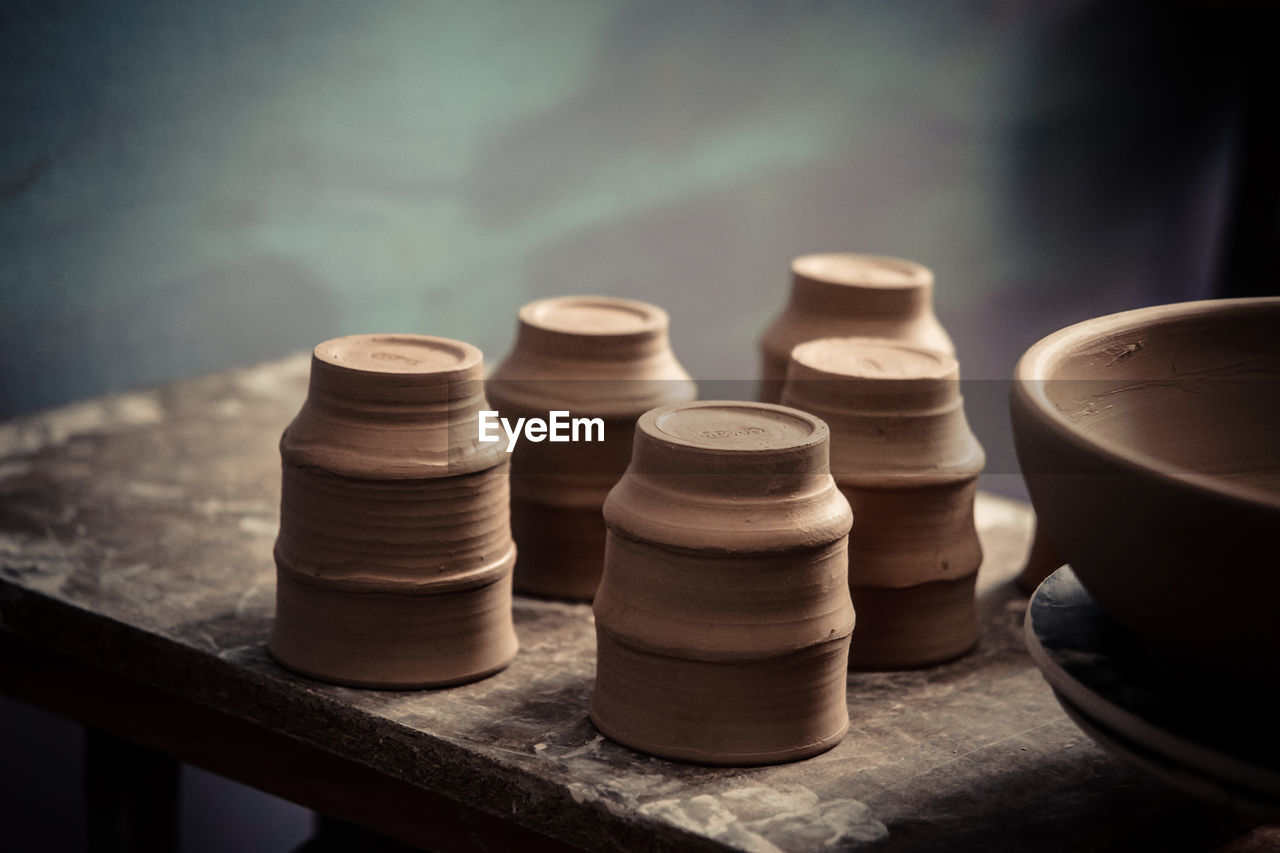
(1037, 363)
(818, 433)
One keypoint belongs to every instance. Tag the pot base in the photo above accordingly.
(912, 626)
(736, 713)
(397, 640)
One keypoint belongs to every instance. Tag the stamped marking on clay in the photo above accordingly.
(731, 425)
(401, 358)
(740, 432)
(396, 353)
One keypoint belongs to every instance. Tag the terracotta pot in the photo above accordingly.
(723, 617)
(904, 456)
(1148, 441)
(394, 556)
(594, 357)
(844, 295)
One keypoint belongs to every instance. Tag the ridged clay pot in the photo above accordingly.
(394, 556)
(850, 295)
(593, 356)
(723, 617)
(904, 456)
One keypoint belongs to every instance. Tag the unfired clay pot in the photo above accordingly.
(843, 295)
(1150, 444)
(723, 617)
(394, 556)
(903, 454)
(593, 356)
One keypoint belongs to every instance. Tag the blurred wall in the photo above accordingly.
(186, 187)
(190, 186)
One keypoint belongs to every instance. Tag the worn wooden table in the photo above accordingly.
(136, 590)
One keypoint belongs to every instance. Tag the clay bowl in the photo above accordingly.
(1150, 442)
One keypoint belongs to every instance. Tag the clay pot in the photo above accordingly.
(844, 295)
(1148, 441)
(594, 357)
(394, 556)
(904, 456)
(723, 617)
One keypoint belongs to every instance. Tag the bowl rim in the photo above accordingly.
(1030, 382)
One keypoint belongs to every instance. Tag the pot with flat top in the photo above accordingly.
(602, 361)
(394, 556)
(723, 616)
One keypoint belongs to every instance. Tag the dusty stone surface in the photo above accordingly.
(136, 532)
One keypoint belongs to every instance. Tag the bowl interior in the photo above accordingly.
(1191, 391)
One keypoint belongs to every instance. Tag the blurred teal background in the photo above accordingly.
(186, 187)
(190, 186)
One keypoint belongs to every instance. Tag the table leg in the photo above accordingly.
(131, 797)
(340, 836)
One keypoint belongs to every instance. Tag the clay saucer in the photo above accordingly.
(594, 357)
(1148, 444)
(843, 295)
(904, 456)
(723, 616)
(1126, 701)
(394, 555)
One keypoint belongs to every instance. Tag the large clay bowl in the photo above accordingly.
(1150, 442)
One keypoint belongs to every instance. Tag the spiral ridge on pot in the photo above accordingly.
(903, 455)
(394, 555)
(723, 616)
(599, 357)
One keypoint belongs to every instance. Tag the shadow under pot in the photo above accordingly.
(844, 294)
(394, 555)
(602, 361)
(903, 454)
(723, 616)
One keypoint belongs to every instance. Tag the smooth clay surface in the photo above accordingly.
(593, 356)
(845, 294)
(903, 455)
(1148, 443)
(723, 616)
(394, 554)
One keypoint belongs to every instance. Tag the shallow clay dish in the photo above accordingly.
(1110, 686)
(845, 294)
(1150, 443)
(594, 357)
(723, 617)
(394, 555)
